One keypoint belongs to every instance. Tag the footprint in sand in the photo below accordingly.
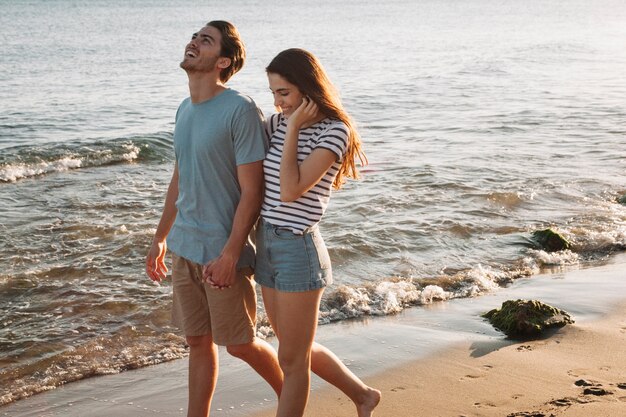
(562, 402)
(470, 376)
(598, 390)
(481, 405)
(476, 376)
(583, 383)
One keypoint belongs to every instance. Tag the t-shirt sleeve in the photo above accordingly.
(249, 137)
(180, 106)
(335, 139)
(271, 123)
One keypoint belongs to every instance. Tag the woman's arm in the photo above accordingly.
(296, 179)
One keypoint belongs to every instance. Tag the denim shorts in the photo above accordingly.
(289, 262)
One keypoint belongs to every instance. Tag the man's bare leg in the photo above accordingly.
(203, 371)
(262, 357)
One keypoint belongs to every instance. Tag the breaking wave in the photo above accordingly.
(22, 162)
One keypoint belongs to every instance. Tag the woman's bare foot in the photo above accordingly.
(369, 401)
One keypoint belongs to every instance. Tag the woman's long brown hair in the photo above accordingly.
(302, 69)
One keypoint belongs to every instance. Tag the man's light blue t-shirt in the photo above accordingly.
(210, 140)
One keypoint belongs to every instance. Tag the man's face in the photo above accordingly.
(203, 51)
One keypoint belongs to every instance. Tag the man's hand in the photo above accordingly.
(220, 272)
(155, 261)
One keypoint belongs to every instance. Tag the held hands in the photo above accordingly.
(155, 261)
(306, 113)
(220, 273)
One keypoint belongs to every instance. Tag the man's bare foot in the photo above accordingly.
(369, 401)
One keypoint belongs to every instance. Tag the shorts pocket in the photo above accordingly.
(320, 248)
(285, 234)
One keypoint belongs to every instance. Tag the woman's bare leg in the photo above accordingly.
(326, 364)
(294, 317)
(330, 368)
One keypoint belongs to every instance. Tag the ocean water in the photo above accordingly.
(483, 121)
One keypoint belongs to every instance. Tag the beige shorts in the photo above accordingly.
(229, 315)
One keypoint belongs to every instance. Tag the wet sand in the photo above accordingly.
(436, 360)
(579, 371)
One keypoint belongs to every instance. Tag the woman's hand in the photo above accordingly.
(297, 178)
(306, 113)
(221, 272)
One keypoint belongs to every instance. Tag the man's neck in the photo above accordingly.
(204, 86)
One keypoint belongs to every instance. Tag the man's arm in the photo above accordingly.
(155, 261)
(222, 270)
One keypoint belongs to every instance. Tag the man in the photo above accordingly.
(212, 202)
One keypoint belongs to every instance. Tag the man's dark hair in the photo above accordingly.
(231, 47)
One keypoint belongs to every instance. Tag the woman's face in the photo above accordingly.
(287, 97)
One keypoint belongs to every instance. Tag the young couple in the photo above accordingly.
(223, 177)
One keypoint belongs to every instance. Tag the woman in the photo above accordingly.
(313, 146)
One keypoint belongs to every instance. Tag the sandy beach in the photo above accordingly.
(579, 371)
(492, 122)
(436, 360)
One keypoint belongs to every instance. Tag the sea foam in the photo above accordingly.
(11, 173)
(32, 161)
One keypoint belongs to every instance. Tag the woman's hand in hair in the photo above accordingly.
(297, 178)
(306, 114)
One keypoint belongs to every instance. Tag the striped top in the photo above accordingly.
(308, 209)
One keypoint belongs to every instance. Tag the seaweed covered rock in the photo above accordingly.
(549, 240)
(622, 199)
(524, 319)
